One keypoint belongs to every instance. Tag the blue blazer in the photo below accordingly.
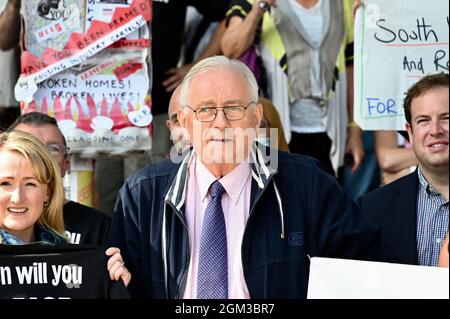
(394, 209)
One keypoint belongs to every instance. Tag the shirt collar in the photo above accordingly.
(260, 169)
(427, 187)
(233, 182)
(204, 178)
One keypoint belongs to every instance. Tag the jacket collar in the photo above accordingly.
(261, 171)
(404, 214)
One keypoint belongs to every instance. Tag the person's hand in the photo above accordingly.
(443, 256)
(16, 3)
(176, 77)
(116, 266)
(354, 147)
(356, 5)
(258, 9)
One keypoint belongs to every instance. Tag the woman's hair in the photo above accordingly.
(46, 172)
(273, 121)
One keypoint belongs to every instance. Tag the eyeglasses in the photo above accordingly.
(209, 114)
(58, 149)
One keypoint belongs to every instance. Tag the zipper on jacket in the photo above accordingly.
(183, 279)
(250, 216)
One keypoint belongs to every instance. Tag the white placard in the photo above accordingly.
(353, 279)
(396, 44)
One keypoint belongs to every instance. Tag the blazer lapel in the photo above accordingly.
(403, 225)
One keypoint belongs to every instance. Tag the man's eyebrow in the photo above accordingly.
(213, 103)
(206, 102)
(55, 143)
(419, 116)
(233, 101)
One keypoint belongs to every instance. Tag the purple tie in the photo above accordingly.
(212, 277)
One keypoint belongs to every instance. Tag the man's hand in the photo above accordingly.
(354, 147)
(116, 266)
(176, 76)
(443, 256)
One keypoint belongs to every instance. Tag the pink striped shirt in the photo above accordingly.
(236, 206)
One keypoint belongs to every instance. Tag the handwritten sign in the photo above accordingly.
(95, 105)
(92, 75)
(396, 44)
(41, 65)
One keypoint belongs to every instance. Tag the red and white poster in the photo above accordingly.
(86, 64)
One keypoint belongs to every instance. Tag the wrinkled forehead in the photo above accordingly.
(218, 86)
(47, 133)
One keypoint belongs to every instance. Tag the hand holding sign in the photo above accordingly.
(116, 266)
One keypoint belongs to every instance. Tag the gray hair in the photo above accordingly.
(219, 62)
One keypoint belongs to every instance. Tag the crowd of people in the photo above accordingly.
(251, 187)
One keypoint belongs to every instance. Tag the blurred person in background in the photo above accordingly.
(395, 156)
(306, 48)
(271, 120)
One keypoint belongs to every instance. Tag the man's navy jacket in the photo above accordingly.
(394, 209)
(297, 212)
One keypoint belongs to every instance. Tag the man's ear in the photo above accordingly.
(259, 113)
(168, 124)
(410, 133)
(182, 118)
(65, 166)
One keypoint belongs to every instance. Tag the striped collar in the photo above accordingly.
(429, 190)
(261, 173)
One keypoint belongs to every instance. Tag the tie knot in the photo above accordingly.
(217, 189)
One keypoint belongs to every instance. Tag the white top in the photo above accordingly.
(311, 19)
(306, 115)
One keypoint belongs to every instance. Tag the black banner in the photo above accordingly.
(65, 271)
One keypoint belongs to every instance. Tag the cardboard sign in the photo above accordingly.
(396, 44)
(89, 70)
(58, 55)
(353, 279)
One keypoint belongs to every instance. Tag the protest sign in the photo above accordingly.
(353, 279)
(86, 64)
(396, 44)
(63, 271)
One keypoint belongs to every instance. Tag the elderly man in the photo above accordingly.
(177, 133)
(224, 223)
(412, 212)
